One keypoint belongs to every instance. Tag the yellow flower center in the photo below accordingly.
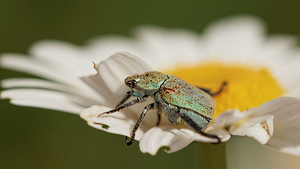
(246, 86)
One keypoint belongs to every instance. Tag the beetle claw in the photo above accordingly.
(101, 114)
(219, 140)
(214, 136)
(128, 142)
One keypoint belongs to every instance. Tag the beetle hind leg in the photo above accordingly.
(188, 120)
(208, 91)
(210, 136)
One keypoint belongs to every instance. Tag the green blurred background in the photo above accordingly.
(37, 138)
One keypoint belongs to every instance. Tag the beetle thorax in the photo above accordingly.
(148, 83)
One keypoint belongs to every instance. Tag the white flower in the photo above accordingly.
(258, 69)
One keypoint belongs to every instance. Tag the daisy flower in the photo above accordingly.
(260, 100)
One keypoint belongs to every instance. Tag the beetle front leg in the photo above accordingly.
(132, 102)
(137, 124)
(128, 94)
(125, 98)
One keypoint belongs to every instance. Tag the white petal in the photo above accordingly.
(63, 54)
(275, 54)
(287, 73)
(39, 83)
(230, 117)
(31, 82)
(175, 138)
(40, 68)
(235, 38)
(109, 81)
(277, 50)
(96, 83)
(118, 123)
(286, 111)
(294, 93)
(220, 132)
(282, 108)
(169, 47)
(55, 49)
(119, 66)
(169, 136)
(259, 128)
(45, 99)
(111, 100)
(245, 153)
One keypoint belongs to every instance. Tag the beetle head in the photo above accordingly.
(148, 82)
(131, 81)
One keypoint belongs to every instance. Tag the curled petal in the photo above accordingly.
(286, 111)
(259, 128)
(220, 132)
(119, 66)
(175, 138)
(109, 80)
(230, 117)
(157, 137)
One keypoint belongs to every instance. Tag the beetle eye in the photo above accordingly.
(131, 83)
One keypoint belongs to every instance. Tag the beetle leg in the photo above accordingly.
(197, 128)
(132, 102)
(215, 93)
(205, 90)
(158, 118)
(220, 90)
(137, 124)
(129, 93)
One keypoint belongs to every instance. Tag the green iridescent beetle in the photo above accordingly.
(179, 100)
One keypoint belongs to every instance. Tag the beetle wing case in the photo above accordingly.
(178, 92)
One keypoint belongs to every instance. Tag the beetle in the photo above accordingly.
(180, 101)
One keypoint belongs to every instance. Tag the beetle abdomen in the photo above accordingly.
(178, 92)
